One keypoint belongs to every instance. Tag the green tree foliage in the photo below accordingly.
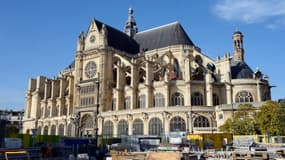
(271, 118)
(242, 122)
(11, 130)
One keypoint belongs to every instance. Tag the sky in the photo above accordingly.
(38, 37)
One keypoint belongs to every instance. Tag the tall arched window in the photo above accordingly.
(155, 126)
(108, 128)
(87, 121)
(197, 99)
(53, 130)
(158, 100)
(177, 99)
(141, 102)
(123, 127)
(42, 112)
(216, 100)
(69, 130)
(244, 97)
(201, 121)
(46, 130)
(176, 68)
(54, 111)
(47, 112)
(177, 124)
(64, 110)
(114, 102)
(127, 103)
(61, 130)
(138, 127)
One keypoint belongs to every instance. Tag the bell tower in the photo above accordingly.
(238, 46)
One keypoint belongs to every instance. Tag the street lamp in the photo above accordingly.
(3, 121)
(34, 134)
(97, 82)
(76, 119)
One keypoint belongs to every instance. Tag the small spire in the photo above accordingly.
(131, 26)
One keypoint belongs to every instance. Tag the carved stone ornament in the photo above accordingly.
(115, 118)
(130, 117)
(145, 116)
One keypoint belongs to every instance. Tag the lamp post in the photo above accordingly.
(3, 121)
(76, 119)
(97, 82)
(34, 134)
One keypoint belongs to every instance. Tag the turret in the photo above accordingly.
(238, 46)
(131, 26)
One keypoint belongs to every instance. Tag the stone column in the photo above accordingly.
(149, 83)
(258, 89)
(120, 85)
(134, 85)
(187, 81)
(115, 120)
(166, 122)
(100, 125)
(229, 93)
(209, 90)
(130, 125)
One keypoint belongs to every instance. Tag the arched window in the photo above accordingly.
(39, 130)
(53, 130)
(158, 100)
(114, 101)
(155, 126)
(42, 112)
(176, 68)
(69, 130)
(177, 124)
(244, 97)
(138, 127)
(61, 130)
(87, 121)
(201, 121)
(47, 113)
(55, 111)
(216, 100)
(141, 102)
(197, 99)
(46, 130)
(127, 103)
(265, 96)
(108, 128)
(123, 127)
(177, 99)
(64, 110)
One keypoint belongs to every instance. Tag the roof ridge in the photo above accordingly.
(159, 27)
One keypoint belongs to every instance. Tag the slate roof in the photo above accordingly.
(240, 70)
(163, 36)
(71, 65)
(119, 40)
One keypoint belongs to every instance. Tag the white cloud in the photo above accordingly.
(252, 11)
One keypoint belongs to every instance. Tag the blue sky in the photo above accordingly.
(39, 37)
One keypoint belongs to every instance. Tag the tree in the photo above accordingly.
(11, 130)
(271, 118)
(242, 122)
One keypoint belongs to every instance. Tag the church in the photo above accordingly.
(151, 82)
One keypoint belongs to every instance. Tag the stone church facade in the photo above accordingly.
(142, 83)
